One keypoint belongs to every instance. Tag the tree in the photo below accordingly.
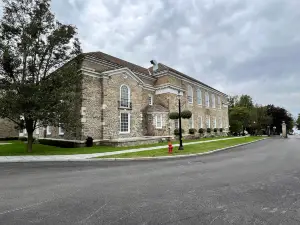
(298, 122)
(239, 118)
(279, 115)
(32, 46)
(245, 101)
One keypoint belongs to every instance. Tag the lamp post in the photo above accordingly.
(274, 130)
(179, 114)
(268, 130)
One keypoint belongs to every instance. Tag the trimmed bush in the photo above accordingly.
(208, 130)
(221, 130)
(192, 131)
(9, 139)
(176, 131)
(201, 131)
(89, 142)
(174, 115)
(25, 139)
(215, 130)
(186, 114)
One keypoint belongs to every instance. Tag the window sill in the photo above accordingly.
(124, 132)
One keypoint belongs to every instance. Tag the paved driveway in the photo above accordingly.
(254, 184)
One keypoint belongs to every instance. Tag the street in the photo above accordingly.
(253, 184)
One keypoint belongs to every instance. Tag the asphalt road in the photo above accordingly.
(254, 184)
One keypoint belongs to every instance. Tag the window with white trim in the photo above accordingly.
(206, 99)
(213, 100)
(150, 100)
(190, 94)
(158, 121)
(215, 122)
(48, 129)
(37, 130)
(176, 124)
(207, 122)
(124, 96)
(200, 122)
(124, 122)
(219, 102)
(61, 129)
(191, 122)
(199, 96)
(220, 122)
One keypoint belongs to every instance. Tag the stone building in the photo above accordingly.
(7, 129)
(121, 100)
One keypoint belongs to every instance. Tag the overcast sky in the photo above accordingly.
(237, 46)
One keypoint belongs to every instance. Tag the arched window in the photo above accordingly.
(206, 99)
(199, 96)
(213, 100)
(124, 96)
(190, 94)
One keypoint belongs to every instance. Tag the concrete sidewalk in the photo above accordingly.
(85, 157)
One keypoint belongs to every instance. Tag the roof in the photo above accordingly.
(118, 61)
(156, 108)
(162, 67)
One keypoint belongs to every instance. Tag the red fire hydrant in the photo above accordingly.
(170, 147)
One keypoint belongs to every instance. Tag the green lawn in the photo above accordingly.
(188, 149)
(19, 148)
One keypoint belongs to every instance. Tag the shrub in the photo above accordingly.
(215, 130)
(192, 131)
(174, 115)
(221, 130)
(201, 131)
(186, 114)
(212, 136)
(25, 139)
(176, 131)
(89, 142)
(208, 130)
(9, 138)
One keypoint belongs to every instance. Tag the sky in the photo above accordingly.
(236, 46)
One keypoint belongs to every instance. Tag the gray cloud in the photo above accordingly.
(248, 46)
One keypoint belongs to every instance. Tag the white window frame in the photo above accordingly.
(199, 96)
(60, 130)
(156, 121)
(219, 102)
(128, 97)
(190, 94)
(128, 131)
(213, 101)
(176, 124)
(200, 122)
(191, 120)
(220, 122)
(207, 102)
(215, 122)
(48, 130)
(207, 119)
(150, 99)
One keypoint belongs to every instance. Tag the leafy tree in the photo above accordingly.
(298, 122)
(245, 101)
(239, 118)
(279, 115)
(32, 46)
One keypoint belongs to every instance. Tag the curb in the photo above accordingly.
(127, 159)
(173, 157)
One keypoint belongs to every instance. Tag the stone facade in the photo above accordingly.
(150, 97)
(7, 129)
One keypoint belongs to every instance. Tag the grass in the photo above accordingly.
(17, 148)
(188, 149)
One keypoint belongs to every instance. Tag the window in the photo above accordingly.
(176, 124)
(200, 122)
(213, 100)
(207, 121)
(124, 123)
(159, 121)
(124, 96)
(215, 122)
(190, 94)
(191, 122)
(220, 122)
(48, 130)
(199, 97)
(37, 129)
(219, 102)
(206, 99)
(61, 130)
(150, 100)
